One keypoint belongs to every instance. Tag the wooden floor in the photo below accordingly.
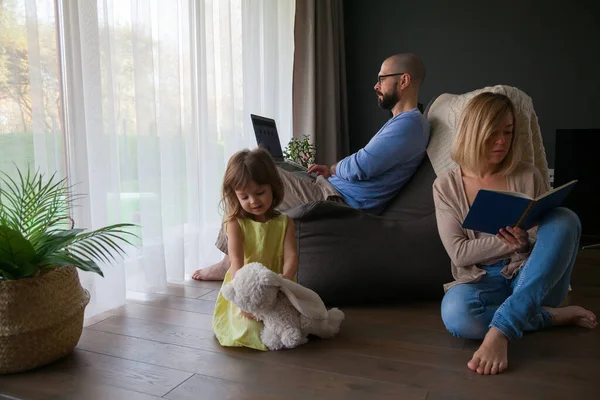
(161, 345)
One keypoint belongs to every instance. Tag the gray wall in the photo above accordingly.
(549, 49)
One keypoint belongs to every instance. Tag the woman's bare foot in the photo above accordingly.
(215, 272)
(492, 355)
(572, 315)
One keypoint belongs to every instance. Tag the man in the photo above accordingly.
(368, 179)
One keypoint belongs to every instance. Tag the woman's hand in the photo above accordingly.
(516, 239)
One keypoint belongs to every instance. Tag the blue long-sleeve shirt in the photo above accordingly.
(369, 178)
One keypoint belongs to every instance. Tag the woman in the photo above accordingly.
(504, 285)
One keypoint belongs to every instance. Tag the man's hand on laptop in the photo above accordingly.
(320, 170)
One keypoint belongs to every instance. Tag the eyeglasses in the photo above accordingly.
(380, 77)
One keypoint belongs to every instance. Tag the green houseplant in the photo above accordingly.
(42, 302)
(301, 151)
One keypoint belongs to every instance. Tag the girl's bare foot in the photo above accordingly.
(572, 315)
(492, 355)
(215, 272)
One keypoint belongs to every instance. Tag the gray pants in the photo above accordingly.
(298, 190)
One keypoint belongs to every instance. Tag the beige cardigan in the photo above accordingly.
(468, 249)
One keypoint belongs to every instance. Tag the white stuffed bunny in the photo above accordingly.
(289, 311)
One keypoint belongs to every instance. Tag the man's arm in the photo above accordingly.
(401, 140)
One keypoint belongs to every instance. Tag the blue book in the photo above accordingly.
(493, 209)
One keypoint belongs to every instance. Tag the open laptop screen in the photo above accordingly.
(267, 136)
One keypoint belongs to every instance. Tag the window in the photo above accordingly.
(31, 125)
(157, 97)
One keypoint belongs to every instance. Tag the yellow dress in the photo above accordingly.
(263, 243)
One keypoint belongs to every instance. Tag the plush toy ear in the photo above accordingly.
(228, 292)
(306, 301)
(263, 275)
(270, 278)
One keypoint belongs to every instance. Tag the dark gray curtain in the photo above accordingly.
(319, 89)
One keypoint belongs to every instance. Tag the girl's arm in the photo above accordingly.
(235, 246)
(290, 251)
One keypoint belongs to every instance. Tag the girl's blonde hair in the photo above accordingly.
(480, 120)
(243, 167)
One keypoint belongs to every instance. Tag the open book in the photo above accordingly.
(492, 209)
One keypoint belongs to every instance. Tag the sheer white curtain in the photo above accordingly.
(158, 97)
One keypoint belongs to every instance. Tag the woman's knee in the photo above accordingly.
(564, 220)
(462, 313)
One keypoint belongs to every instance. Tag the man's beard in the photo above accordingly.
(388, 101)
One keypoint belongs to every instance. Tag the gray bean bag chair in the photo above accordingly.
(350, 257)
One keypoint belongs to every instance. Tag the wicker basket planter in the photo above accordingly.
(41, 318)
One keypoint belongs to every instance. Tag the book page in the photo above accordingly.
(509, 193)
(556, 189)
(545, 203)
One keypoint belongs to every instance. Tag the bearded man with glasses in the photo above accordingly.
(371, 177)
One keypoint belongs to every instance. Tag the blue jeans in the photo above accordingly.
(515, 305)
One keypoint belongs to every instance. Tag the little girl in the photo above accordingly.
(256, 232)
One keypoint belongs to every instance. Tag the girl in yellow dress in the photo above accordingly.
(256, 232)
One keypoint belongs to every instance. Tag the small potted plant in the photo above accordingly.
(42, 302)
(301, 151)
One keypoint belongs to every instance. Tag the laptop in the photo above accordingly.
(266, 134)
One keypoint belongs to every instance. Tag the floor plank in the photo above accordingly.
(586, 271)
(227, 365)
(314, 361)
(84, 370)
(454, 380)
(173, 317)
(62, 386)
(353, 342)
(102, 316)
(165, 333)
(172, 302)
(376, 343)
(407, 334)
(359, 389)
(213, 285)
(212, 295)
(205, 387)
(181, 290)
(409, 349)
(163, 345)
(426, 315)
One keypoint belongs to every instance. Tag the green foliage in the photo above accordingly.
(35, 231)
(301, 151)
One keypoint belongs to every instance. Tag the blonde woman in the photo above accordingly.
(513, 281)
